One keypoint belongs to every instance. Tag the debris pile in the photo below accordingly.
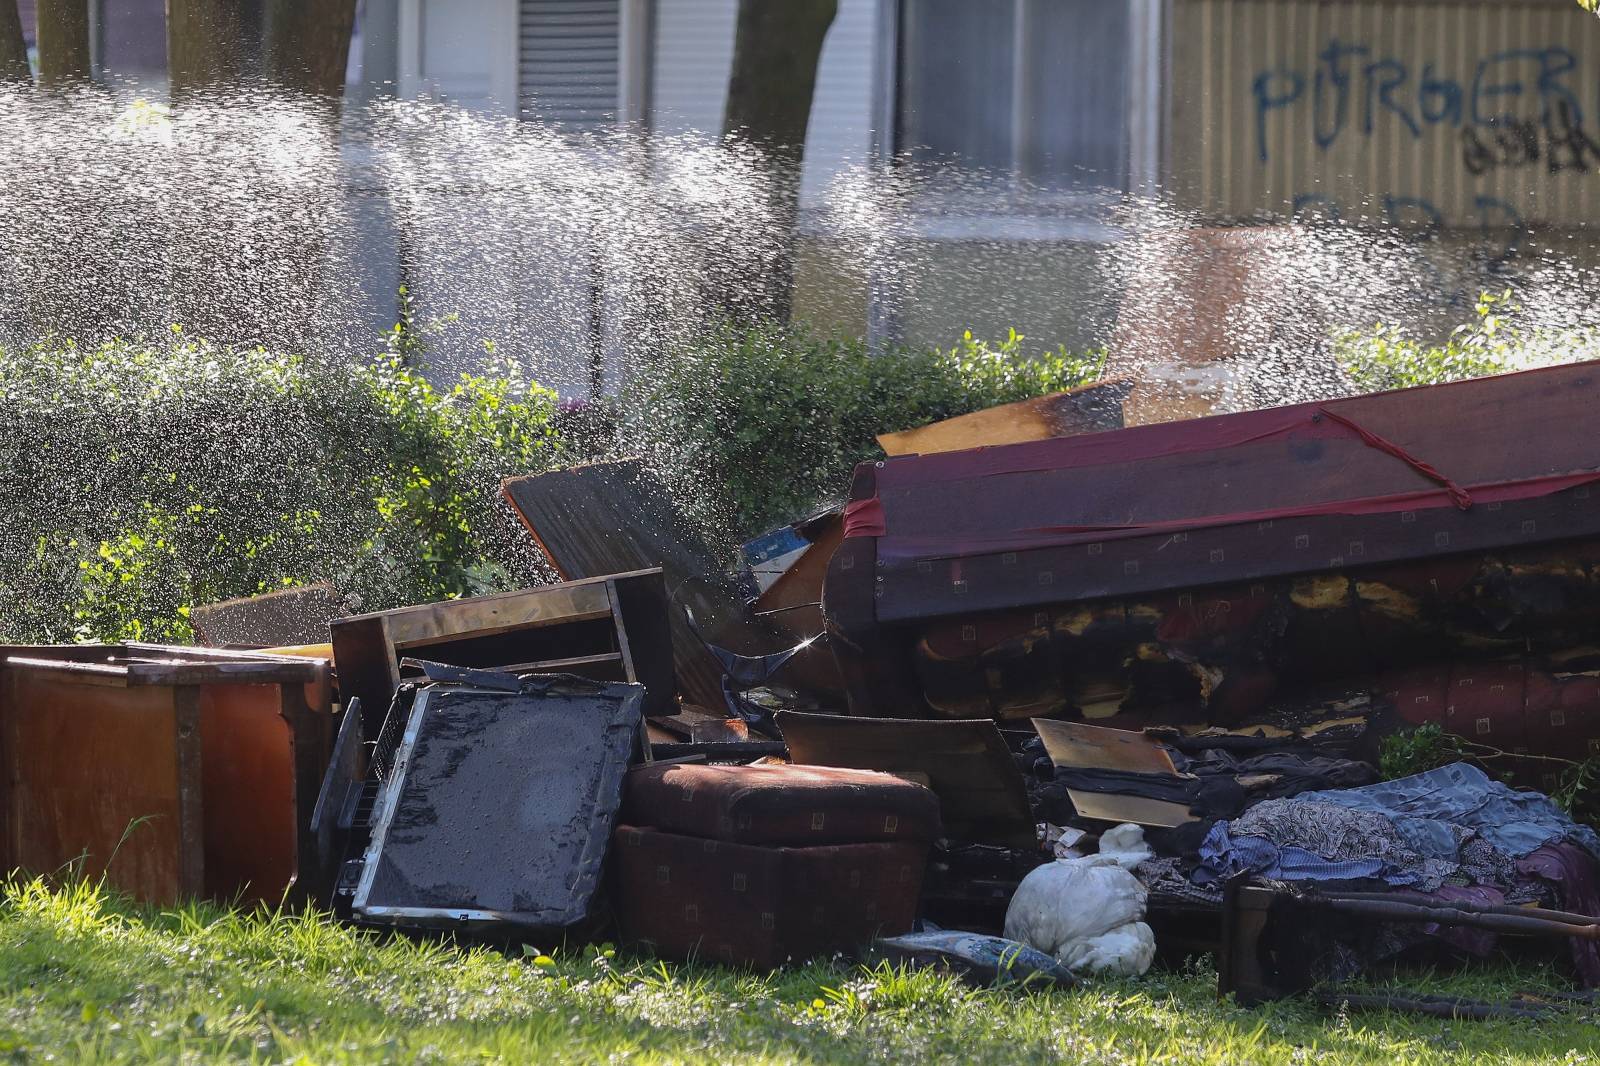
(1059, 707)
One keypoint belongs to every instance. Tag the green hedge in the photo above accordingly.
(754, 428)
(1500, 337)
(143, 478)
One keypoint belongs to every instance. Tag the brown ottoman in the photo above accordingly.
(765, 865)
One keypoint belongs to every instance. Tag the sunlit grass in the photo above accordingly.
(86, 977)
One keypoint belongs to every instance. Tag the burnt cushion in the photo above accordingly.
(796, 805)
(761, 906)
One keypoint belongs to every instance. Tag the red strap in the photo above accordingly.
(864, 518)
(1458, 495)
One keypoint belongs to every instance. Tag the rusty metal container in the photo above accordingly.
(173, 772)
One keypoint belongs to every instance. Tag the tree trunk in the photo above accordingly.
(205, 45)
(13, 48)
(63, 36)
(308, 45)
(777, 46)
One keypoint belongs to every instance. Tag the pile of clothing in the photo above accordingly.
(1450, 834)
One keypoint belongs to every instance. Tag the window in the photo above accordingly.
(1035, 88)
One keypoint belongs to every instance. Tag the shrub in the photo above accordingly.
(1497, 340)
(143, 478)
(755, 427)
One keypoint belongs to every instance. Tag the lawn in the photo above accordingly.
(84, 977)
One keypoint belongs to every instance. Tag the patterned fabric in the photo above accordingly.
(1424, 808)
(1340, 834)
(1484, 864)
(693, 898)
(1163, 878)
(799, 805)
(1223, 856)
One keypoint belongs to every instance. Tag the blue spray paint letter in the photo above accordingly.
(1439, 99)
(1383, 78)
(1274, 89)
(1334, 71)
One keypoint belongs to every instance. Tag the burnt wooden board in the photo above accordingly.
(1086, 409)
(981, 793)
(610, 628)
(614, 517)
(292, 616)
(1095, 747)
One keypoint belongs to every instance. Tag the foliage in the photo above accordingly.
(1388, 358)
(86, 977)
(143, 478)
(1428, 747)
(1578, 791)
(1501, 337)
(1419, 750)
(756, 427)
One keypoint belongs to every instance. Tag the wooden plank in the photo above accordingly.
(178, 671)
(367, 667)
(298, 615)
(530, 608)
(555, 666)
(102, 674)
(606, 518)
(644, 618)
(1087, 409)
(1094, 747)
(981, 792)
(310, 748)
(197, 652)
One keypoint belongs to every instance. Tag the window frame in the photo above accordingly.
(1041, 214)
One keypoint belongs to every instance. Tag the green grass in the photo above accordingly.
(84, 977)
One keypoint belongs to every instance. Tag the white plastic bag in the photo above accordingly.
(1087, 912)
(1126, 844)
(1127, 950)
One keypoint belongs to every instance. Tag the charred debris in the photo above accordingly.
(1045, 698)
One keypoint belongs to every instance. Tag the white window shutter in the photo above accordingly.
(569, 61)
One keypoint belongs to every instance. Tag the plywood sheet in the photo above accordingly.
(248, 781)
(299, 615)
(1087, 409)
(1093, 747)
(1107, 807)
(95, 777)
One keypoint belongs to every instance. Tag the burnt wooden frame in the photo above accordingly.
(368, 648)
(1480, 430)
